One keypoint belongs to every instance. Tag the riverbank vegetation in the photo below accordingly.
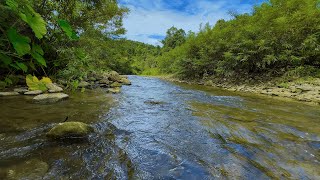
(65, 39)
(279, 38)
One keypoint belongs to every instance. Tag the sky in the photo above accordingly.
(149, 20)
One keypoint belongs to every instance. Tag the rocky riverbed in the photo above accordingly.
(305, 91)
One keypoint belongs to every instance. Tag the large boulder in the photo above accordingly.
(9, 94)
(70, 130)
(50, 98)
(114, 76)
(31, 169)
(53, 88)
(36, 92)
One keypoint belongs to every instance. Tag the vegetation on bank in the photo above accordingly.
(73, 39)
(66, 40)
(279, 38)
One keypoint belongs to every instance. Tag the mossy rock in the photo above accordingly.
(115, 84)
(70, 130)
(114, 76)
(125, 81)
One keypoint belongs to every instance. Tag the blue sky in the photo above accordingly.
(149, 20)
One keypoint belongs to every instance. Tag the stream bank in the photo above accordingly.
(307, 90)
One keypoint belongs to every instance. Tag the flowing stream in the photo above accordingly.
(156, 129)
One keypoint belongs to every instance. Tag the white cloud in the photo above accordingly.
(153, 19)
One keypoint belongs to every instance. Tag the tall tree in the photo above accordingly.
(174, 37)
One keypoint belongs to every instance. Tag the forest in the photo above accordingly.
(70, 39)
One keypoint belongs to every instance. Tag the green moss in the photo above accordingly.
(70, 129)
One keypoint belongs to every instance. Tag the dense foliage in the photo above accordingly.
(51, 37)
(279, 36)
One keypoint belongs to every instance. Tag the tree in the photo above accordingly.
(175, 37)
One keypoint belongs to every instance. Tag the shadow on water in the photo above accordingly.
(160, 130)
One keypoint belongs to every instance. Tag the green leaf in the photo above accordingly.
(19, 42)
(15, 66)
(39, 59)
(66, 27)
(22, 66)
(8, 81)
(12, 4)
(37, 54)
(36, 22)
(37, 48)
(5, 59)
(34, 83)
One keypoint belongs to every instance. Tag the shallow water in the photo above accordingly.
(160, 130)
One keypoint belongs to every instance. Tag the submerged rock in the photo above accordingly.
(31, 169)
(37, 92)
(70, 130)
(115, 90)
(154, 102)
(50, 98)
(9, 93)
(53, 88)
(115, 84)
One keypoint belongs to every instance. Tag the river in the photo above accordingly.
(156, 129)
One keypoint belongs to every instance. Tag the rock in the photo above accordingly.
(305, 87)
(104, 81)
(9, 94)
(124, 76)
(114, 76)
(70, 130)
(53, 88)
(83, 84)
(115, 90)
(92, 79)
(125, 81)
(37, 92)
(63, 82)
(50, 98)
(31, 169)
(115, 84)
(154, 102)
(21, 90)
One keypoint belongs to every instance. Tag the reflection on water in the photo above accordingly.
(160, 130)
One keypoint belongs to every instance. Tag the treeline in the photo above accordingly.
(278, 37)
(65, 39)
